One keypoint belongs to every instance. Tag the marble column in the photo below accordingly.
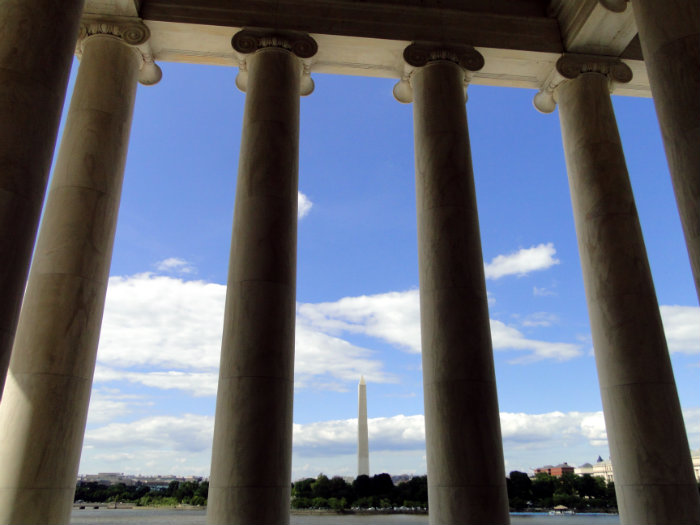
(252, 450)
(36, 50)
(670, 36)
(654, 478)
(466, 474)
(44, 409)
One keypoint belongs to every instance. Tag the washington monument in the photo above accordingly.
(362, 434)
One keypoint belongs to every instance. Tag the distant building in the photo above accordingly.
(555, 470)
(601, 468)
(154, 482)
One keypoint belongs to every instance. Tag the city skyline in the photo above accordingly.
(357, 300)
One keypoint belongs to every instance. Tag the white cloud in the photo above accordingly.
(186, 433)
(304, 205)
(538, 319)
(682, 327)
(182, 444)
(319, 355)
(198, 384)
(153, 445)
(542, 292)
(593, 427)
(161, 321)
(522, 262)
(108, 404)
(340, 436)
(165, 332)
(175, 265)
(395, 317)
(691, 416)
(508, 338)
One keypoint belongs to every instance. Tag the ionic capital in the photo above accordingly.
(570, 66)
(615, 6)
(249, 41)
(420, 54)
(132, 31)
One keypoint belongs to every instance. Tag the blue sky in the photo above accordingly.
(154, 391)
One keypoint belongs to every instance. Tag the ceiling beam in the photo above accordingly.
(370, 19)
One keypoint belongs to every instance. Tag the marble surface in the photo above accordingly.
(251, 457)
(463, 435)
(44, 410)
(646, 433)
(670, 36)
(362, 430)
(36, 50)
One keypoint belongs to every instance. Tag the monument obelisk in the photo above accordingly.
(362, 433)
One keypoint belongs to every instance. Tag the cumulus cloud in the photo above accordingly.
(163, 443)
(691, 417)
(506, 337)
(304, 205)
(153, 320)
(542, 292)
(395, 318)
(165, 332)
(539, 319)
(108, 404)
(175, 265)
(153, 445)
(340, 436)
(522, 262)
(682, 327)
(198, 384)
(186, 433)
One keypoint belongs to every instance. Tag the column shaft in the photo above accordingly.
(466, 475)
(36, 49)
(252, 451)
(654, 479)
(670, 36)
(43, 412)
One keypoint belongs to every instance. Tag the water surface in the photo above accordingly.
(198, 517)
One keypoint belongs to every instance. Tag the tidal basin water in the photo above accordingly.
(197, 517)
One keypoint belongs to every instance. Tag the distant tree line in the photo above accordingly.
(377, 492)
(186, 492)
(583, 493)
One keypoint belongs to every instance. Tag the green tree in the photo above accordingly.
(364, 503)
(519, 490)
(203, 491)
(382, 486)
(319, 503)
(341, 489)
(543, 487)
(301, 503)
(362, 486)
(321, 488)
(172, 488)
(590, 487)
(302, 488)
(414, 491)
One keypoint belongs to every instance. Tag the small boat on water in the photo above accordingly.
(561, 510)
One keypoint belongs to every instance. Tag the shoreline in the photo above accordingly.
(303, 512)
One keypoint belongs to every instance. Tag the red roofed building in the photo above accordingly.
(555, 471)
